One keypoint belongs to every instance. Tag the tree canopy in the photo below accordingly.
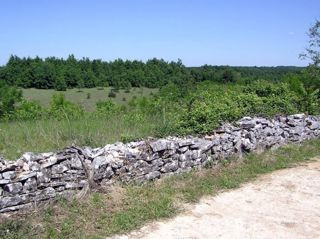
(61, 74)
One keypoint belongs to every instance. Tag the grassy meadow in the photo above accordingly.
(41, 135)
(87, 97)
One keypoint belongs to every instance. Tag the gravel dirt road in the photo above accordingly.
(283, 204)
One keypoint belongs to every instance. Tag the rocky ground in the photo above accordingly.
(37, 178)
(283, 204)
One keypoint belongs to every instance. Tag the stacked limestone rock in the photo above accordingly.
(35, 178)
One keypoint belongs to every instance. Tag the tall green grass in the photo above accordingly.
(46, 135)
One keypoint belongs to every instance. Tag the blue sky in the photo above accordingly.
(224, 32)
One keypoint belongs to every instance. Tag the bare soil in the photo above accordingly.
(283, 204)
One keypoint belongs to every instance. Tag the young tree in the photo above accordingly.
(312, 53)
(313, 50)
(60, 84)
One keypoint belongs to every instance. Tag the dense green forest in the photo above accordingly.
(59, 74)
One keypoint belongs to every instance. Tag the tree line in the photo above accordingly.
(60, 74)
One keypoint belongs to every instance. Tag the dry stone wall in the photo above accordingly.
(36, 178)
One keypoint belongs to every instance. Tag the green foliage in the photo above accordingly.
(60, 108)
(9, 96)
(229, 76)
(60, 84)
(211, 105)
(311, 75)
(313, 50)
(112, 94)
(29, 110)
(309, 96)
(107, 108)
(276, 99)
(311, 78)
(206, 110)
(170, 92)
(60, 74)
(127, 138)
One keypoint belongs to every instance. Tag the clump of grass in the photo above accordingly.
(129, 207)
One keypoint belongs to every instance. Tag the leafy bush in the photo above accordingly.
(276, 98)
(29, 110)
(309, 96)
(206, 109)
(9, 97)
(61, 108)
(107, 108)
(112, 94)
(60, 84)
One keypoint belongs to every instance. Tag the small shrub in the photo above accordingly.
(107, 108)
(61, 108)
(9, 97)
(29, 110)
(112, 94)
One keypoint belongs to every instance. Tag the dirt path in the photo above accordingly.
(284, 204)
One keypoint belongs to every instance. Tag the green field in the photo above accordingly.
(80, 96)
